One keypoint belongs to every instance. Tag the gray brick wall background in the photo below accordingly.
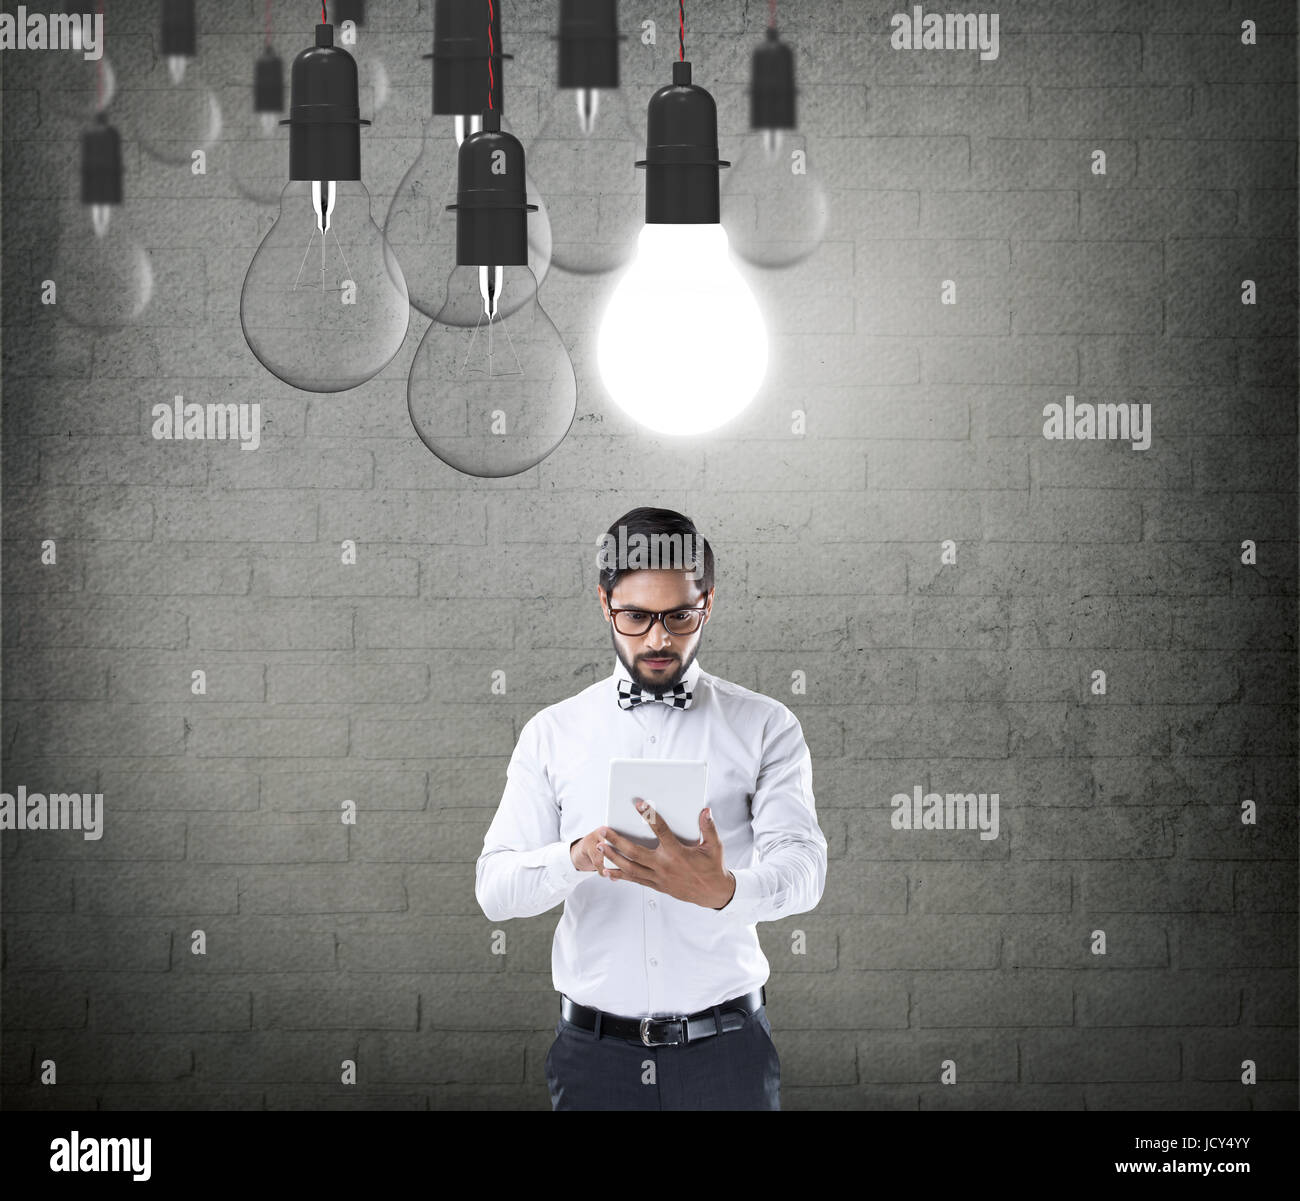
(371, 682)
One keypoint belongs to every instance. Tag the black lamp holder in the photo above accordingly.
(681, 162)
(349, 10)
(771, 86)
(268, 83)
(101, 164)
(460, 58)
(588, 44)
(324, 112)
(179, 30)
(491, 198)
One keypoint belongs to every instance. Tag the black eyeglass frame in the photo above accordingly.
(660, 617)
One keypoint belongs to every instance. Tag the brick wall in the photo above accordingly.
(1119, 812)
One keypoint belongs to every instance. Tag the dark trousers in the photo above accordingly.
(736, 1070)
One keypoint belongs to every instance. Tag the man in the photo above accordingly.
(658, 959)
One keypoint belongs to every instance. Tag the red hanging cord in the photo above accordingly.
(492, 80)
(771, 14)
(681, 30)
(99, 66)
(324, 20)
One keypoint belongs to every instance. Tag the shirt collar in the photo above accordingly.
(690, 679)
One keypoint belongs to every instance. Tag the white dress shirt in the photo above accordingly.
(622, 947)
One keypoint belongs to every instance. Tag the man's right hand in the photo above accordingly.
(584, 852)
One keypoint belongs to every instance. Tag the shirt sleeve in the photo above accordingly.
(789, 846)
(525, 868)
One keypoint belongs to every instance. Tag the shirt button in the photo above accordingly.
(652, 738)
(653, 905)
(654, 963)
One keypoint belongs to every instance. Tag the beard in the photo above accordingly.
(653, 686)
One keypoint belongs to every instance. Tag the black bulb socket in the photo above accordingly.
(179, 29)
(771, 85)
(268, 83)
(681, 155)
(101, 164)
(349, 10)
(588, 44)
(460, 58)
(324, 112)
(491, 198)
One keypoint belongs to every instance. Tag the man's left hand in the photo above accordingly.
(694, 873)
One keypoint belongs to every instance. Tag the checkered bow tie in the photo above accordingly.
(631, 694)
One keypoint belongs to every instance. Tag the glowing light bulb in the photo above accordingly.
(324, 305)
(682, 347)
(103, 276)
(421, 229)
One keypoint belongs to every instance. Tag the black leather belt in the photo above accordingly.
(666, 1031)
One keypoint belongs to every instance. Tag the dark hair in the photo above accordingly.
(658, 523)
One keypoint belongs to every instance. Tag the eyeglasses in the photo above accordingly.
(633, 623)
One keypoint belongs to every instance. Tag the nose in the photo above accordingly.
(658, 638)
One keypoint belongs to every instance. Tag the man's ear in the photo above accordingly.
(604, 603)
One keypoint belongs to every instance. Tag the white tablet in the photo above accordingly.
(674, 787)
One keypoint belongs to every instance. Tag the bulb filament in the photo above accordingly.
(99, 216)
(490, 280)
(176, 68)
(323, 193)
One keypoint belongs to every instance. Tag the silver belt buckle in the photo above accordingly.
(645, 1031)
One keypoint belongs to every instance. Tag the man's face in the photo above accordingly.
(657, 659)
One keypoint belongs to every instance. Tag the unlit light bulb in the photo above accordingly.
(586, 151)
(492, 391)
(72, 85)
(102, 275)
(682, 348)
(773, 205)
(175, 119)
(421, 230)
(324, 305)
(467, 81)
(583, 161)
(258, 156)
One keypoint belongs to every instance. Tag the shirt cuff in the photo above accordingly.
(559, 866)
(745, 901)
